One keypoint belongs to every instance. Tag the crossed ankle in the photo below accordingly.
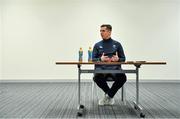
(108, 96)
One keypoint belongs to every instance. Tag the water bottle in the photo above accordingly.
(80, 54)
(90, 54)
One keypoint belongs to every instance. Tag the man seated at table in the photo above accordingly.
(108, 50)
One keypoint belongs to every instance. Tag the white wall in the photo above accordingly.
(36, 33)
(179, 37)
(1, 31)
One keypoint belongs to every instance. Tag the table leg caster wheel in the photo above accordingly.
(142, 115)
(79, 114)
(81, 106)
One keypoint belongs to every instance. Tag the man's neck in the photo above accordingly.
(109, 38)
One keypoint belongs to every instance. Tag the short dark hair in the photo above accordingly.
(108, 26)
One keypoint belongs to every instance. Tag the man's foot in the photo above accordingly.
(103, 100)
(106, 100)
(110, 101)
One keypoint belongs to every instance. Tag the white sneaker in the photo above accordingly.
(106, 100)
(110, 101)
(103, 100)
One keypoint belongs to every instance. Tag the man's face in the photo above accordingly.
(105, 34)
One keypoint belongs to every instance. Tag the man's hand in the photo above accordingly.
(115, 58)
(105, 58)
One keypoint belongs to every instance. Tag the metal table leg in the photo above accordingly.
(80, 106)
(123, 94)
(136, 103)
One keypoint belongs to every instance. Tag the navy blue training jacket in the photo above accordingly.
(109, 47)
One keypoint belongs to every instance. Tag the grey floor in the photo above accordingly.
(59, 100)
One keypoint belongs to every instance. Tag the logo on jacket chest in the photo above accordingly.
(114, 46)
(100, 47)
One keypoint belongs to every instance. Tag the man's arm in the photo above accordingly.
(95, 54)
(121, 55)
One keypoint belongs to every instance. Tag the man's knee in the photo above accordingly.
(98, 77)
(121, 78)
(124, 78)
